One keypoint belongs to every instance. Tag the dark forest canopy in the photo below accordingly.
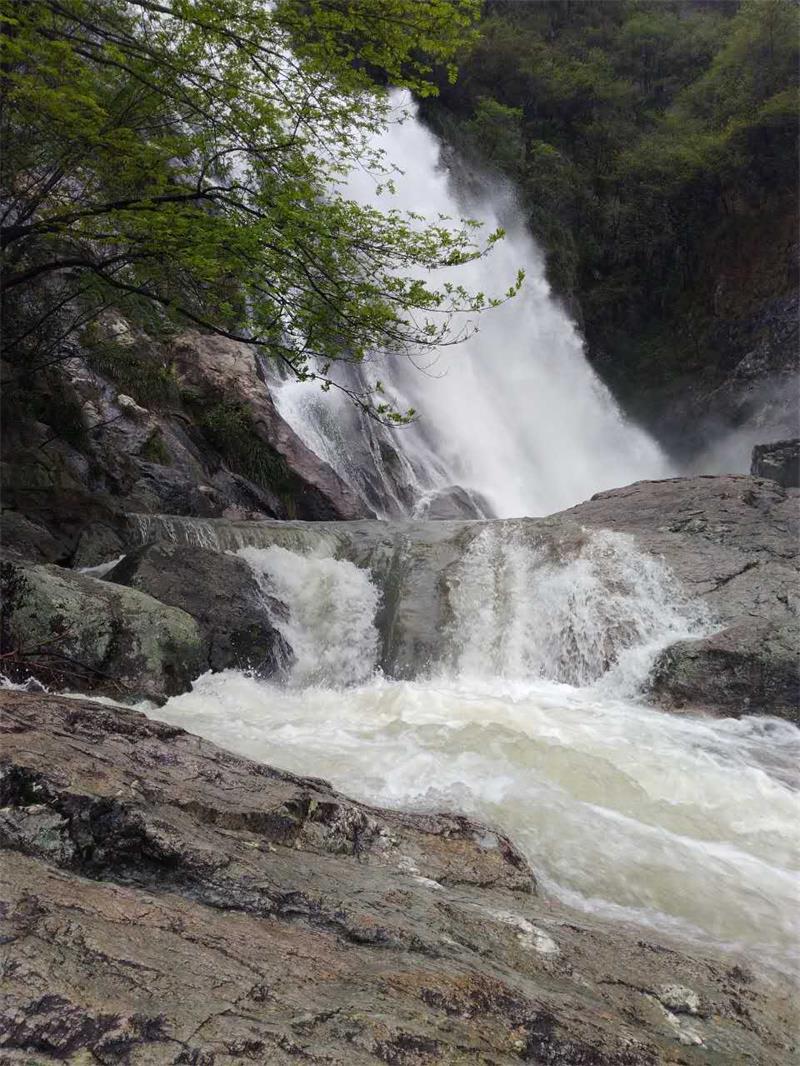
(645, 137)
(177, 160)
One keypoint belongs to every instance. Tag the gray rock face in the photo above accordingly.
(227, 369)
(751, 668)
(177, 904)
(456, 502)
(76, 632)
(220, 593)
(779, 461)
(75, 482)
(26, 539)
(733, 542)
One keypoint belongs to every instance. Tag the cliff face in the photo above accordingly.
(184, 425)
(720, 374)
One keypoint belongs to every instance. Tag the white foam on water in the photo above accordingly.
(685, 825)
(330, 622)
(599, 608)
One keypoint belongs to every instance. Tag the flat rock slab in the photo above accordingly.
(168, 902)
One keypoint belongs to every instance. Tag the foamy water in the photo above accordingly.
(530, 720)
(686, 825)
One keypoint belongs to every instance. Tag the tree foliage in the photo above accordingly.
(635, 130)
(183, 160)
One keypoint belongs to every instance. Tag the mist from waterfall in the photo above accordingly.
(515, 415)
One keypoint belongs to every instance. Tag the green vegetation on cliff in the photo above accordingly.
(647, 139)
(182, 157)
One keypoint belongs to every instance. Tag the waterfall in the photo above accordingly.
(520, 602)
(511, 652)
(514, 417)
(591, 609)
(329, 624)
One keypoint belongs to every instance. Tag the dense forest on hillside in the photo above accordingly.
(654, 147)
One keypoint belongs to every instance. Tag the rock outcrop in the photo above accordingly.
(750, 668)
(75, 632)
(734, 543)
(202, 437)
(779, 461)
(167, 902)
(213, 366)
(221, 594)
(731, 541)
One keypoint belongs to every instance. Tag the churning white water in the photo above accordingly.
(598, 612)
(330, 625)
(515, 414)
(686, 825)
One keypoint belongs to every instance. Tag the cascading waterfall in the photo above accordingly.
(527, 716)
(330, 623)
(497, 667)
(515, 415)
(599, 609)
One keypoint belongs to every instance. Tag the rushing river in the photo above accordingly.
(497, 668)
(687, 825)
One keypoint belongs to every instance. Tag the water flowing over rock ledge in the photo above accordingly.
(696, 576)
(168, 902)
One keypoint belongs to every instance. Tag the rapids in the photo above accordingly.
(526, 715)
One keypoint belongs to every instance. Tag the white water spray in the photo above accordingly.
(573, 613)
(515, 415)
(530, 721)
(329, 624)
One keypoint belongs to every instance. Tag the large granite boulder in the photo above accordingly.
(213, 368)
(73, 631)
(81, 451)
(221, 593)
(168, 902)
(751, 668)
(779, 461)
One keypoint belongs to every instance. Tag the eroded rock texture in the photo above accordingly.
(75, 632)
(779, 461)
(168, 902)
(733, 543)
(221, 594)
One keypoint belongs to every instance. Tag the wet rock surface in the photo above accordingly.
(218, 367)
(220, 592)
(733, 543)
(99, 453)
(751, 668)
(75, 632)
(779, 461)
(168, 902)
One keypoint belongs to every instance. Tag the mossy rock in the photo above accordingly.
(69, 630)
